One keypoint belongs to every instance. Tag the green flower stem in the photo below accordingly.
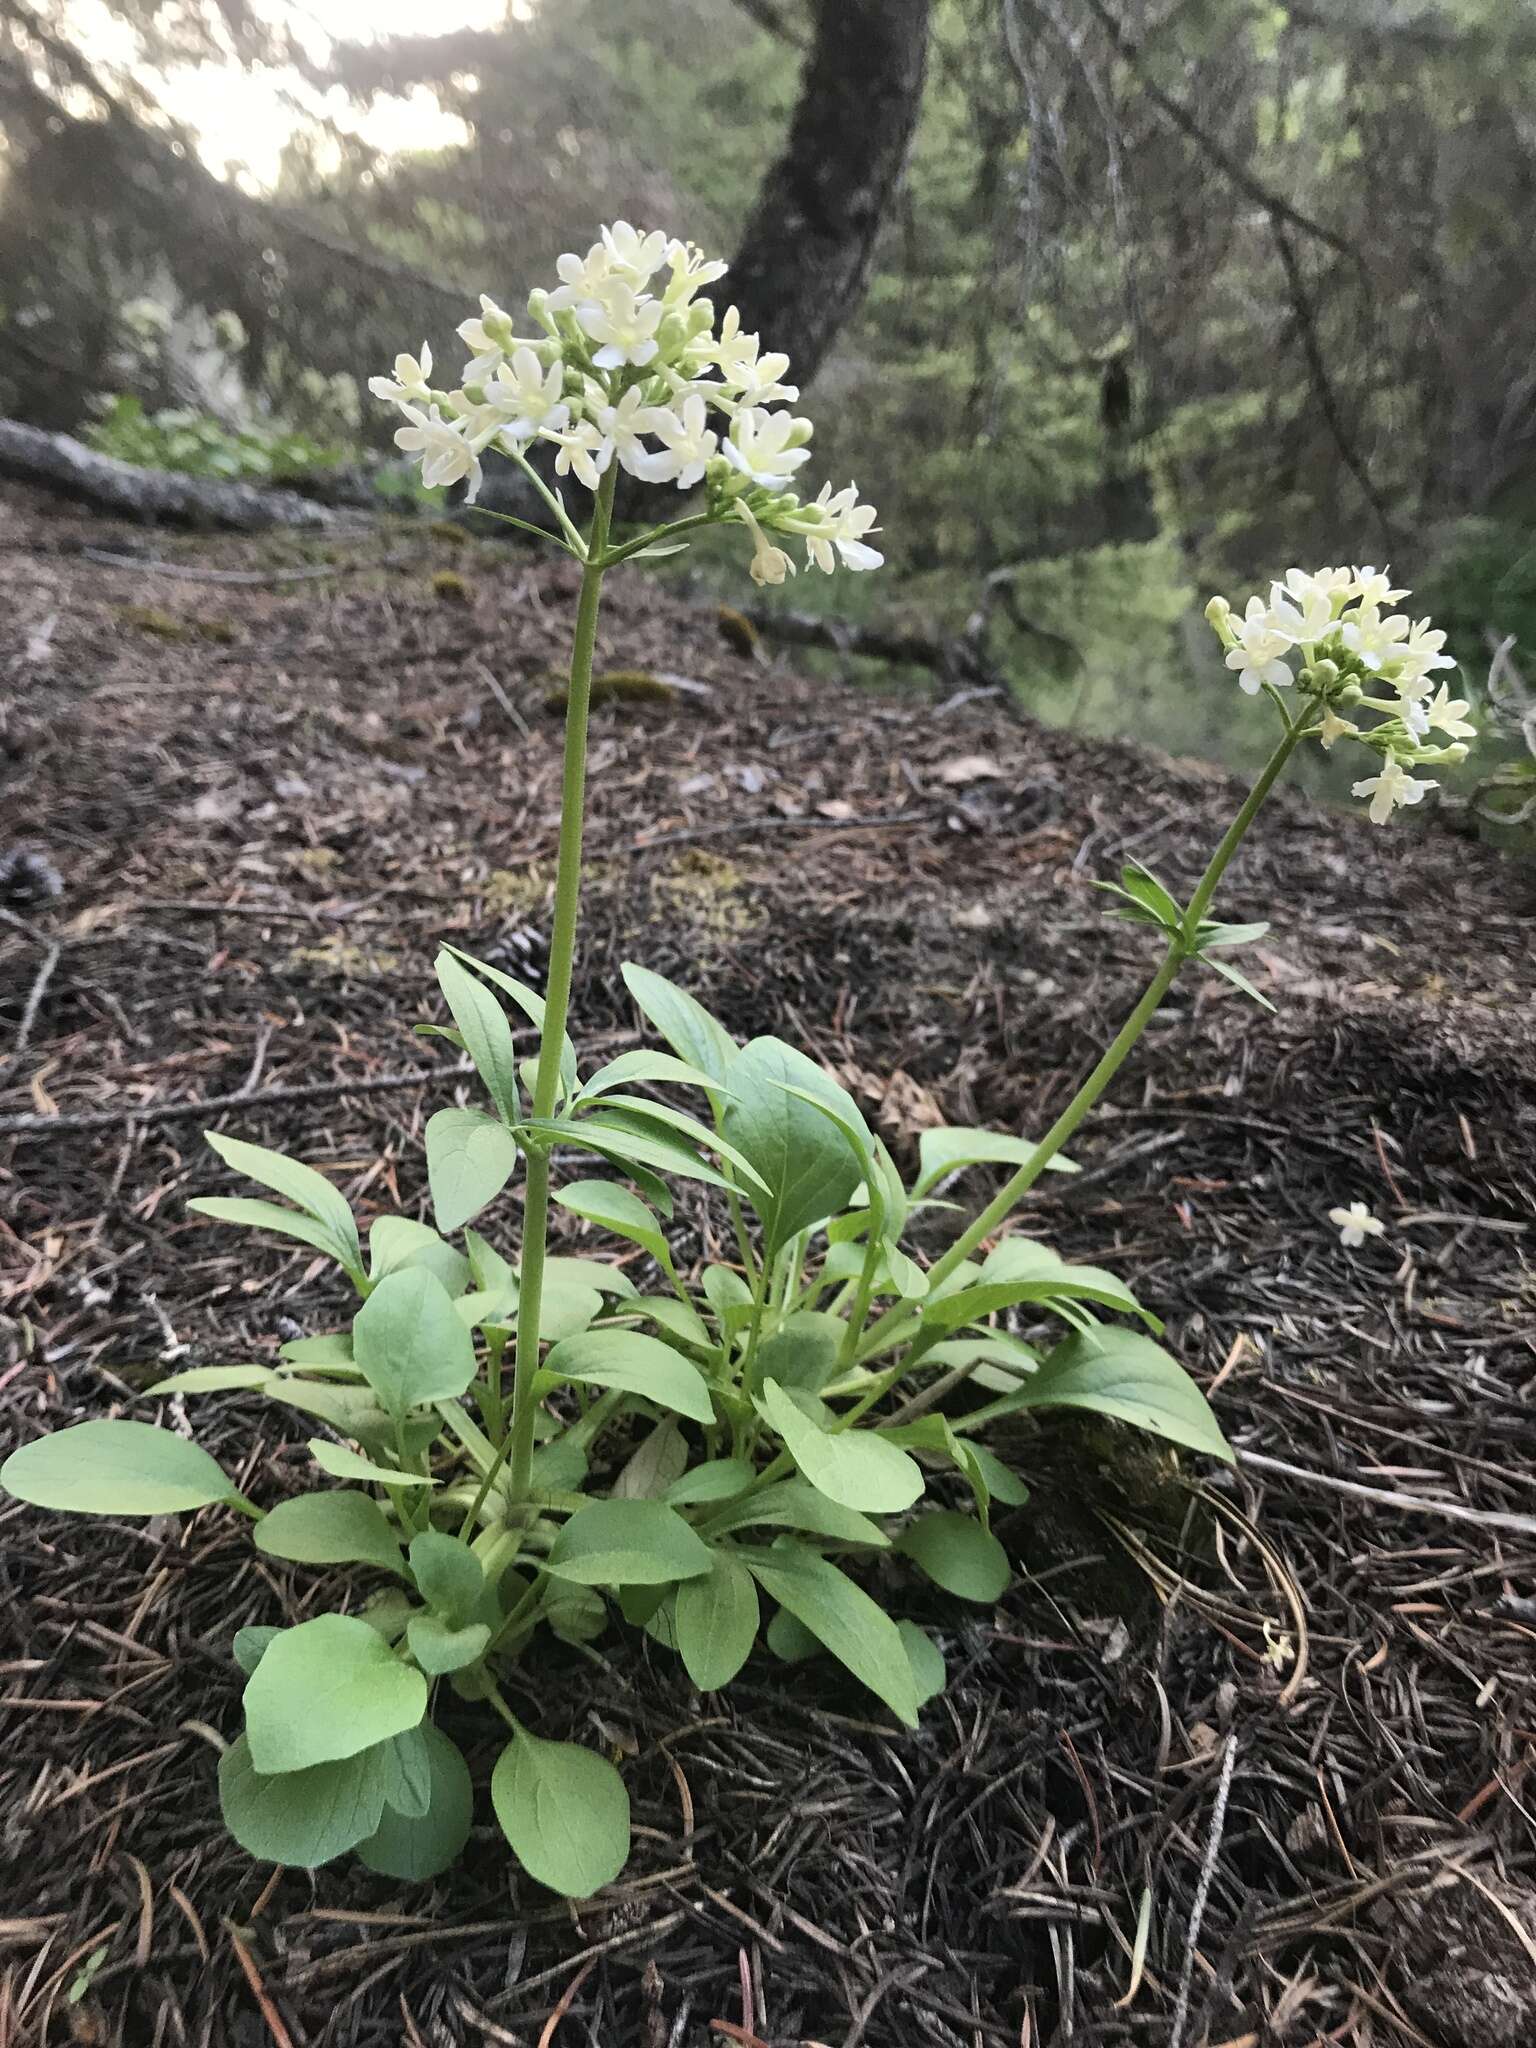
(658, 537)
(557, 999)
(1180, 948)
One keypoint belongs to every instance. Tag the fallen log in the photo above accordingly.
(155, 496)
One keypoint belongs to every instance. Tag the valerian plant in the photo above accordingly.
(518, 1445)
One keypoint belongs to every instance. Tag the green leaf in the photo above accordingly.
(334, 1348)
(803, 1351)
(720, 1479)
(325, 1690)
(351, 1410)
(790, 1640)
(1000, 1480)
(301, 1818)
(576, 1614)
(470, 1159)
(330, 1528)
(409, 1344)
(438, 1647)
(611, 1205)
(250, 1645)
(530, 1003)
(115, 1468)
(1005, 1360)
(842, 1617)
(1238, 980)
(398, 1241)
(954, 1147)
(1025, 1261)
(637, 1365)
(627, 1543)
(486, 1033)
(927, 1661)
(600, 1274)
(344, 1464)
(716, 1622)
(1210, 934)
(643, 1114)
(632, 1067)
(448, 1575)
(564, 1811)
(685, 1024)
(297, 1183)
(1124, 1374)
(627, 1139)
(255, 1215)
(791, 1504)
(416, 1848)
(854, 1467)
(958, 1555)
(405, 1765)
(660, 1457)
(679, 1317)
(211, 1379)
(807, 1163)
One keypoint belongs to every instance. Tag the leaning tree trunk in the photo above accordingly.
(806, 248)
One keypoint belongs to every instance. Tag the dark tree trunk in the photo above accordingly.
(806, 248)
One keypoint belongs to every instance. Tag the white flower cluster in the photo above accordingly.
(630, 366)
(1332, 622)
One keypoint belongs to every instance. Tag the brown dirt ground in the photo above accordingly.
(268, 803)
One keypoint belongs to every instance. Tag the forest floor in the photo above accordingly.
(1292, 1708)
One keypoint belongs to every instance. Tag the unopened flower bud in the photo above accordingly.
(1456, 752)
(1351, 694)
(1323, 675)
(1219, 613)
(701, 318)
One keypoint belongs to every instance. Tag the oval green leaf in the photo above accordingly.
(302, 1818)
(115, 1468)
(330, 1528)
(716, 1617)
(414, 1848)
(470, 1159)
(627, 1543)
(853, 1467)
(325, 1690)
(958, 1555)
(636, 1364)
(565, 1812)
(409, 1344)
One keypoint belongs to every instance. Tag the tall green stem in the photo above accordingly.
(557, 999)
(1180, 948)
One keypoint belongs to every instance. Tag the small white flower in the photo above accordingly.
(621, 427)
(582, 278)
(584, 450)
(410, 381)
(751, 379)
(1335, 728)
(622, 323)
(1355, 1224)
(842, 523)
(490, 337)
(633, 256)
(444, 448)
(1373, 587)
(1332, 584)
(689, 442)
(1257, 650)
(1393, 787)
(759, 445)
(1420, 655)
(527, 398)
(1448, 714)
(1374, 639)
(769, 564)
(691, 271)
(1303, 621)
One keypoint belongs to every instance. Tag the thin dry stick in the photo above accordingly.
(1203, 1889)
(35, 998)
(159, 1112)
(1389, 1497)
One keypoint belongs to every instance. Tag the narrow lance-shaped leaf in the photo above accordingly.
(300, 1184)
